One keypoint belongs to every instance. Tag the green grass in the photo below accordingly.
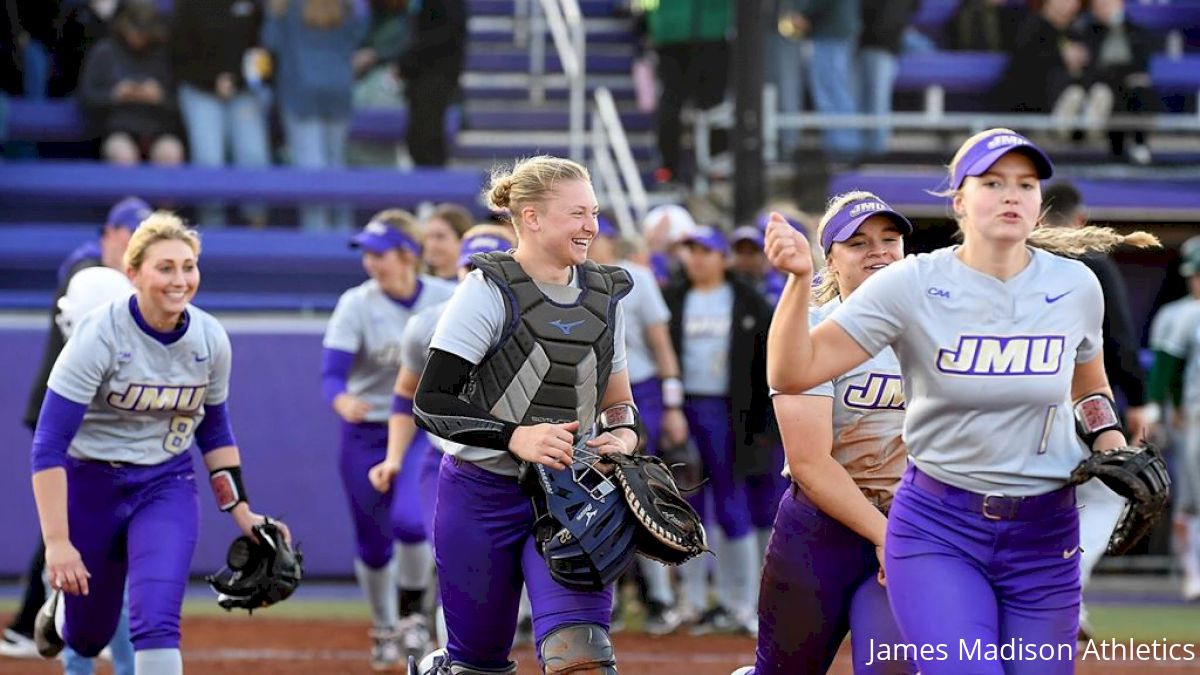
(1146, 623)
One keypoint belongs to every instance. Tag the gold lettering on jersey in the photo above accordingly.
(1003, 355)
(880, 392)
(145, 397)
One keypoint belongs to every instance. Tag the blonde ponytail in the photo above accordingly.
(1075, 242)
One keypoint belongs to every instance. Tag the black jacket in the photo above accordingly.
(884, 23)
(1141, 46)
(211, 37)
(1036, 74)
(437, 46)
(749, 396)
(1120, 337)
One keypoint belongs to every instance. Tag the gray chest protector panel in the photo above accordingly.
(553, 361)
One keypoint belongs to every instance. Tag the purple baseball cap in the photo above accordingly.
(853, 214)
(480, 243)
(128, 213)
(748, 233)
(983, 154)
(379, 237)
(606, 228)
(707, 236)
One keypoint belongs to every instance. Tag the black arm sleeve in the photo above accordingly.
(438, 408)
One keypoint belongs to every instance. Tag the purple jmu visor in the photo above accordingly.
(850, 217)
(981, 156)
(379, 237)
(480, 243)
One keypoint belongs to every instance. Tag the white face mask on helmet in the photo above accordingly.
(88, 289)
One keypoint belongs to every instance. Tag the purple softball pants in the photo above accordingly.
(987, 584)
(135, 522)
(485, 552)
(818, 583)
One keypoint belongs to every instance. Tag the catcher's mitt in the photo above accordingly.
(1140, 476)
(670, 530)
(258, 573)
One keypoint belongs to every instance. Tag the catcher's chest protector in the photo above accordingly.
(553, 361)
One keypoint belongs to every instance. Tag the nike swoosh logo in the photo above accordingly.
(1050, 300)
(1070, 552)
(201, 359)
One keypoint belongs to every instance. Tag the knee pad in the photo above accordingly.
(438, 662)
(581, 649)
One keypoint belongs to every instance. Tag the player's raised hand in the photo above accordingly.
(65, 568)
(549, 444)
(786, 248)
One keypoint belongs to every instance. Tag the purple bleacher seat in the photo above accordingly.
(97, 183)
(1148, 196)
(61, 120)
(954, 71)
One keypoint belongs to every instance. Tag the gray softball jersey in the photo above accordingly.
(987, 364)
(868, 419)
(144, 398)
(368, 324)
(644, 306)
(1181, 339)
(474, 322)
(707, 325)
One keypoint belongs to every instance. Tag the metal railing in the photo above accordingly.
(933, 119)
(565, 21)
(615, 173)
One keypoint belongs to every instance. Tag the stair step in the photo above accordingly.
(490, 145)
(538, 119)
(492, 29)
(479, 86)
(499, 63)
(588, 8)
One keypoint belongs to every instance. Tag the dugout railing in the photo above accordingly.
(564, 20)
(615, 174)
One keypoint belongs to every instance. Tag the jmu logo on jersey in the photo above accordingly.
(1012, 355)
(389, 354)
(881, 391)
(149, 397)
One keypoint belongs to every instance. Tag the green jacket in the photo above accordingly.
(681, 21)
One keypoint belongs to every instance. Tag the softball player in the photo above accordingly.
(360, 360)
(116, 495)
(1176, 341)
(405, 441)
(657, 390)
(998, 343)
(718, 326)
(521, 391)
(845, 456)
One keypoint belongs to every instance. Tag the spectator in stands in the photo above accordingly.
(28, 34)
(691, 39)
(833, 28)
(1044, 62)
(108, 251)
(313, 42)
(879, 46)
(79, 27)
(376, 84)
(1118, 73)
(1064, 207)
(128, 91)
(785, 69)
(214, 42)
(983, 26)
(441, 235)
(431, 66)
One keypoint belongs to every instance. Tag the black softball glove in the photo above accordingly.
(258, 573)
(670, 530)
(1139, 474)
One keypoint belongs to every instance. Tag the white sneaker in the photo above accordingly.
(1066, 109)
(1191, 588)
(744, 670)
(1140, 155)
(45, 633)
(385, 650)
(1098, 109)
(16, 646)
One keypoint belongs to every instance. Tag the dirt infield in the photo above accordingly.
(254, 645)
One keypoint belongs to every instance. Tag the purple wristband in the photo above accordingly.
(335, 370)
(401, 405)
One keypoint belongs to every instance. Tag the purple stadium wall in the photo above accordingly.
(287, 435)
